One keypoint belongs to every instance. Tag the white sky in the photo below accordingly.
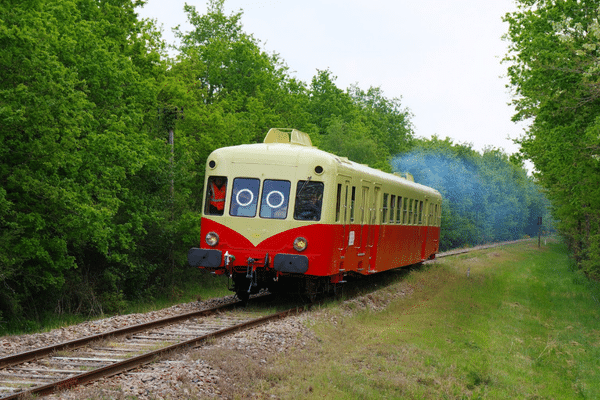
(442, 57)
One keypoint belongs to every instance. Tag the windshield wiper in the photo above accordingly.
(303, 186)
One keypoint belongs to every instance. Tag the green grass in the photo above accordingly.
(522, 325)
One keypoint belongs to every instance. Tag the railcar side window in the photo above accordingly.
(338, 203)
(352, 201)
(365, 205)
(399, 211)
(429, 208)
(275, 199)
(244, 197)
(416, 215)
(376, 201)
(420, 212)
(309, 200)
(214, 202)
(392, 208)
(346, 205)
(411, 212)
(385, 209)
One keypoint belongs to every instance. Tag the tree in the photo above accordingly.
(364, 126)
(78, 79)
(351, 140)
(327, 101)
(553, 68)
(87, 215)
(232, 92)
(229, 61)
(389, 123)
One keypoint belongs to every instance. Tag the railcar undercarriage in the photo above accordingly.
(258, 274)
(310, 287)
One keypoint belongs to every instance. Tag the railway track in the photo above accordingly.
(58, 367)
(480, 247)
(53, 368)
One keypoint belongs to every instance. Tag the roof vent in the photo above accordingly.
(276, 136)
(282, 135)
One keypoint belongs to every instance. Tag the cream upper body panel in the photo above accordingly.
(296, 161)
(260, 158)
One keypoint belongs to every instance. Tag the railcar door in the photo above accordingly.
(362, 228)
(373, 210)
(426, 220)
(373, 234)
(344, 218)
(364, 220)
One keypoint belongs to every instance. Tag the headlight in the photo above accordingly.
(300, 244)
(212, 239)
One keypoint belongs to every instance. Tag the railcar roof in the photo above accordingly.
(291, 154)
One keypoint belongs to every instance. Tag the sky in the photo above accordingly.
(442, 58)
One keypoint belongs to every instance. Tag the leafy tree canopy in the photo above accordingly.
(553, 66)
(77, 82)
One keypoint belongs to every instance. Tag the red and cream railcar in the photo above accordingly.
(285, 215)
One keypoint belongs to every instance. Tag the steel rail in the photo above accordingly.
(479, 247)
(74, 344)
(146, 358)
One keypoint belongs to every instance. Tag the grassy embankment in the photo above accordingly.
(523, 325)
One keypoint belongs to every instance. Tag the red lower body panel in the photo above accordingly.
(333, 249)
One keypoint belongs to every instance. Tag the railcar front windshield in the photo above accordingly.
(309, 200)
(214, 201)
(275, 199)
(244, 197)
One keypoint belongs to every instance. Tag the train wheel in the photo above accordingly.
(240, 286)
(311, 289)
(338, 290)
(243, 295)
(311, 297)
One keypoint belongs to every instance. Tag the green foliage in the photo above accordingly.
(553, 68)
(366, 127)
(351, 140)
(98, 207)
(78, 79)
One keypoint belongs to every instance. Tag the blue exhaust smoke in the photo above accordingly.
(486, 197)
